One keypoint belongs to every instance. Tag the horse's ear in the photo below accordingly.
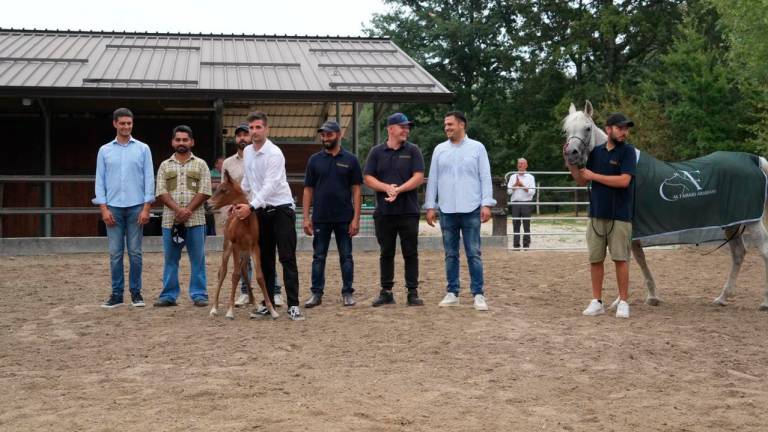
(588, 108)
(225, 176)
(571, 109)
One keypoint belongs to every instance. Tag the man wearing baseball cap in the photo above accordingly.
(611, 169)
(332, 189)
(395, 170)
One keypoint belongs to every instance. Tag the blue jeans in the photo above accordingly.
(126, 231)
(320, 243)
(469, 226)
(195, 244)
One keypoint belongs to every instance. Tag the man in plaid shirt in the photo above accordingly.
(183, 185)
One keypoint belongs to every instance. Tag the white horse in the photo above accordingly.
(582, 135)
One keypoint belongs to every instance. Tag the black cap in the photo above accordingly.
(399, 119)
(329, 126)
(619, 119)
(242, 127)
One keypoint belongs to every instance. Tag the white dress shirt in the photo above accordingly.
(521, 194)
(264, 179)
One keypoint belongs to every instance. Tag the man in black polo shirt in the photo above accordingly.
(611, 169)
(332, 187)
(395, 170)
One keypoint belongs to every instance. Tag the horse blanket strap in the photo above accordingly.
(692, 201)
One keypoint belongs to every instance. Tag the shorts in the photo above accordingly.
(616, 235)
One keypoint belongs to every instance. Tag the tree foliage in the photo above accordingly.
(515, 65)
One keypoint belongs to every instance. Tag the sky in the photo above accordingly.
(281, 17)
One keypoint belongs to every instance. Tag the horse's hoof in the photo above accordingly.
(230, 317)
(763, 307)
(274, 315)
(652, 301)
(720, 302)
(213, 313)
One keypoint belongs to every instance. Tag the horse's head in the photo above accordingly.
(582, 135)
(227, 193)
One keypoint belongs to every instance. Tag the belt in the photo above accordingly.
(281, 206)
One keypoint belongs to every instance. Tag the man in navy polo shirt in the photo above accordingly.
(332, 187)
(611, 169)
(395, 170)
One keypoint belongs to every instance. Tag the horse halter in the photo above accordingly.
(584, 143)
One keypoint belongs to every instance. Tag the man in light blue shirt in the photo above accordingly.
(125, 190)
(460, 188)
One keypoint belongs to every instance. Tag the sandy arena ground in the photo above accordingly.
(532, 363)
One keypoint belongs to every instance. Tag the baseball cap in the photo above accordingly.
(242, 127)
(398, 119)
(619, 119)
(330, 126)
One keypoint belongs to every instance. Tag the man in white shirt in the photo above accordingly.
(521, 189)
(266, 184)
(235, 166)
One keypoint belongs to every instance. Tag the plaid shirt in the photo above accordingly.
(183, 181)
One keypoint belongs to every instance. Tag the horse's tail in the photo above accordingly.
(764, 168)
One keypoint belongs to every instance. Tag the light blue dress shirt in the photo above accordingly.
(124, 174)
(459, 178)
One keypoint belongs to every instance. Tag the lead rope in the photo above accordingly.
(739, 231)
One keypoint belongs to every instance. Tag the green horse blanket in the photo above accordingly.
(692, 201)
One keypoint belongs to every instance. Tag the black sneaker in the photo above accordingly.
(137, 300)
(112, 302)
(259, 312)
(200, 302)
(314, 300)
(413, 298)
(164, 303)
(385, 298)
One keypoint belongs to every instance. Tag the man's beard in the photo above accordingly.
(617, 141)
(330, 145)
(182, 149)
(242, 144)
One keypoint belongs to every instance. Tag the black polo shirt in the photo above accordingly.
(606, 202)
(332, 178)
(395, 167)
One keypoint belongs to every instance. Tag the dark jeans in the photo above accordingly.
(320, 243)
(277, 231)
(517, 212)
(387, 229)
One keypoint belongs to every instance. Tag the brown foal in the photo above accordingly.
(241, 240)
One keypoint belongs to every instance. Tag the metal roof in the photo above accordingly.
(227, 66)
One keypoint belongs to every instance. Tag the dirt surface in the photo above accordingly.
(530, 363)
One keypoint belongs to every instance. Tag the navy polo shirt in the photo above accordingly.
(395, 167)
(606, 202)
(332, 178)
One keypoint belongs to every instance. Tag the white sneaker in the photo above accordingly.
(450, 299)
(480, 303)
(242, 300)
(622, 310)
(595, 308)
(278, 300)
